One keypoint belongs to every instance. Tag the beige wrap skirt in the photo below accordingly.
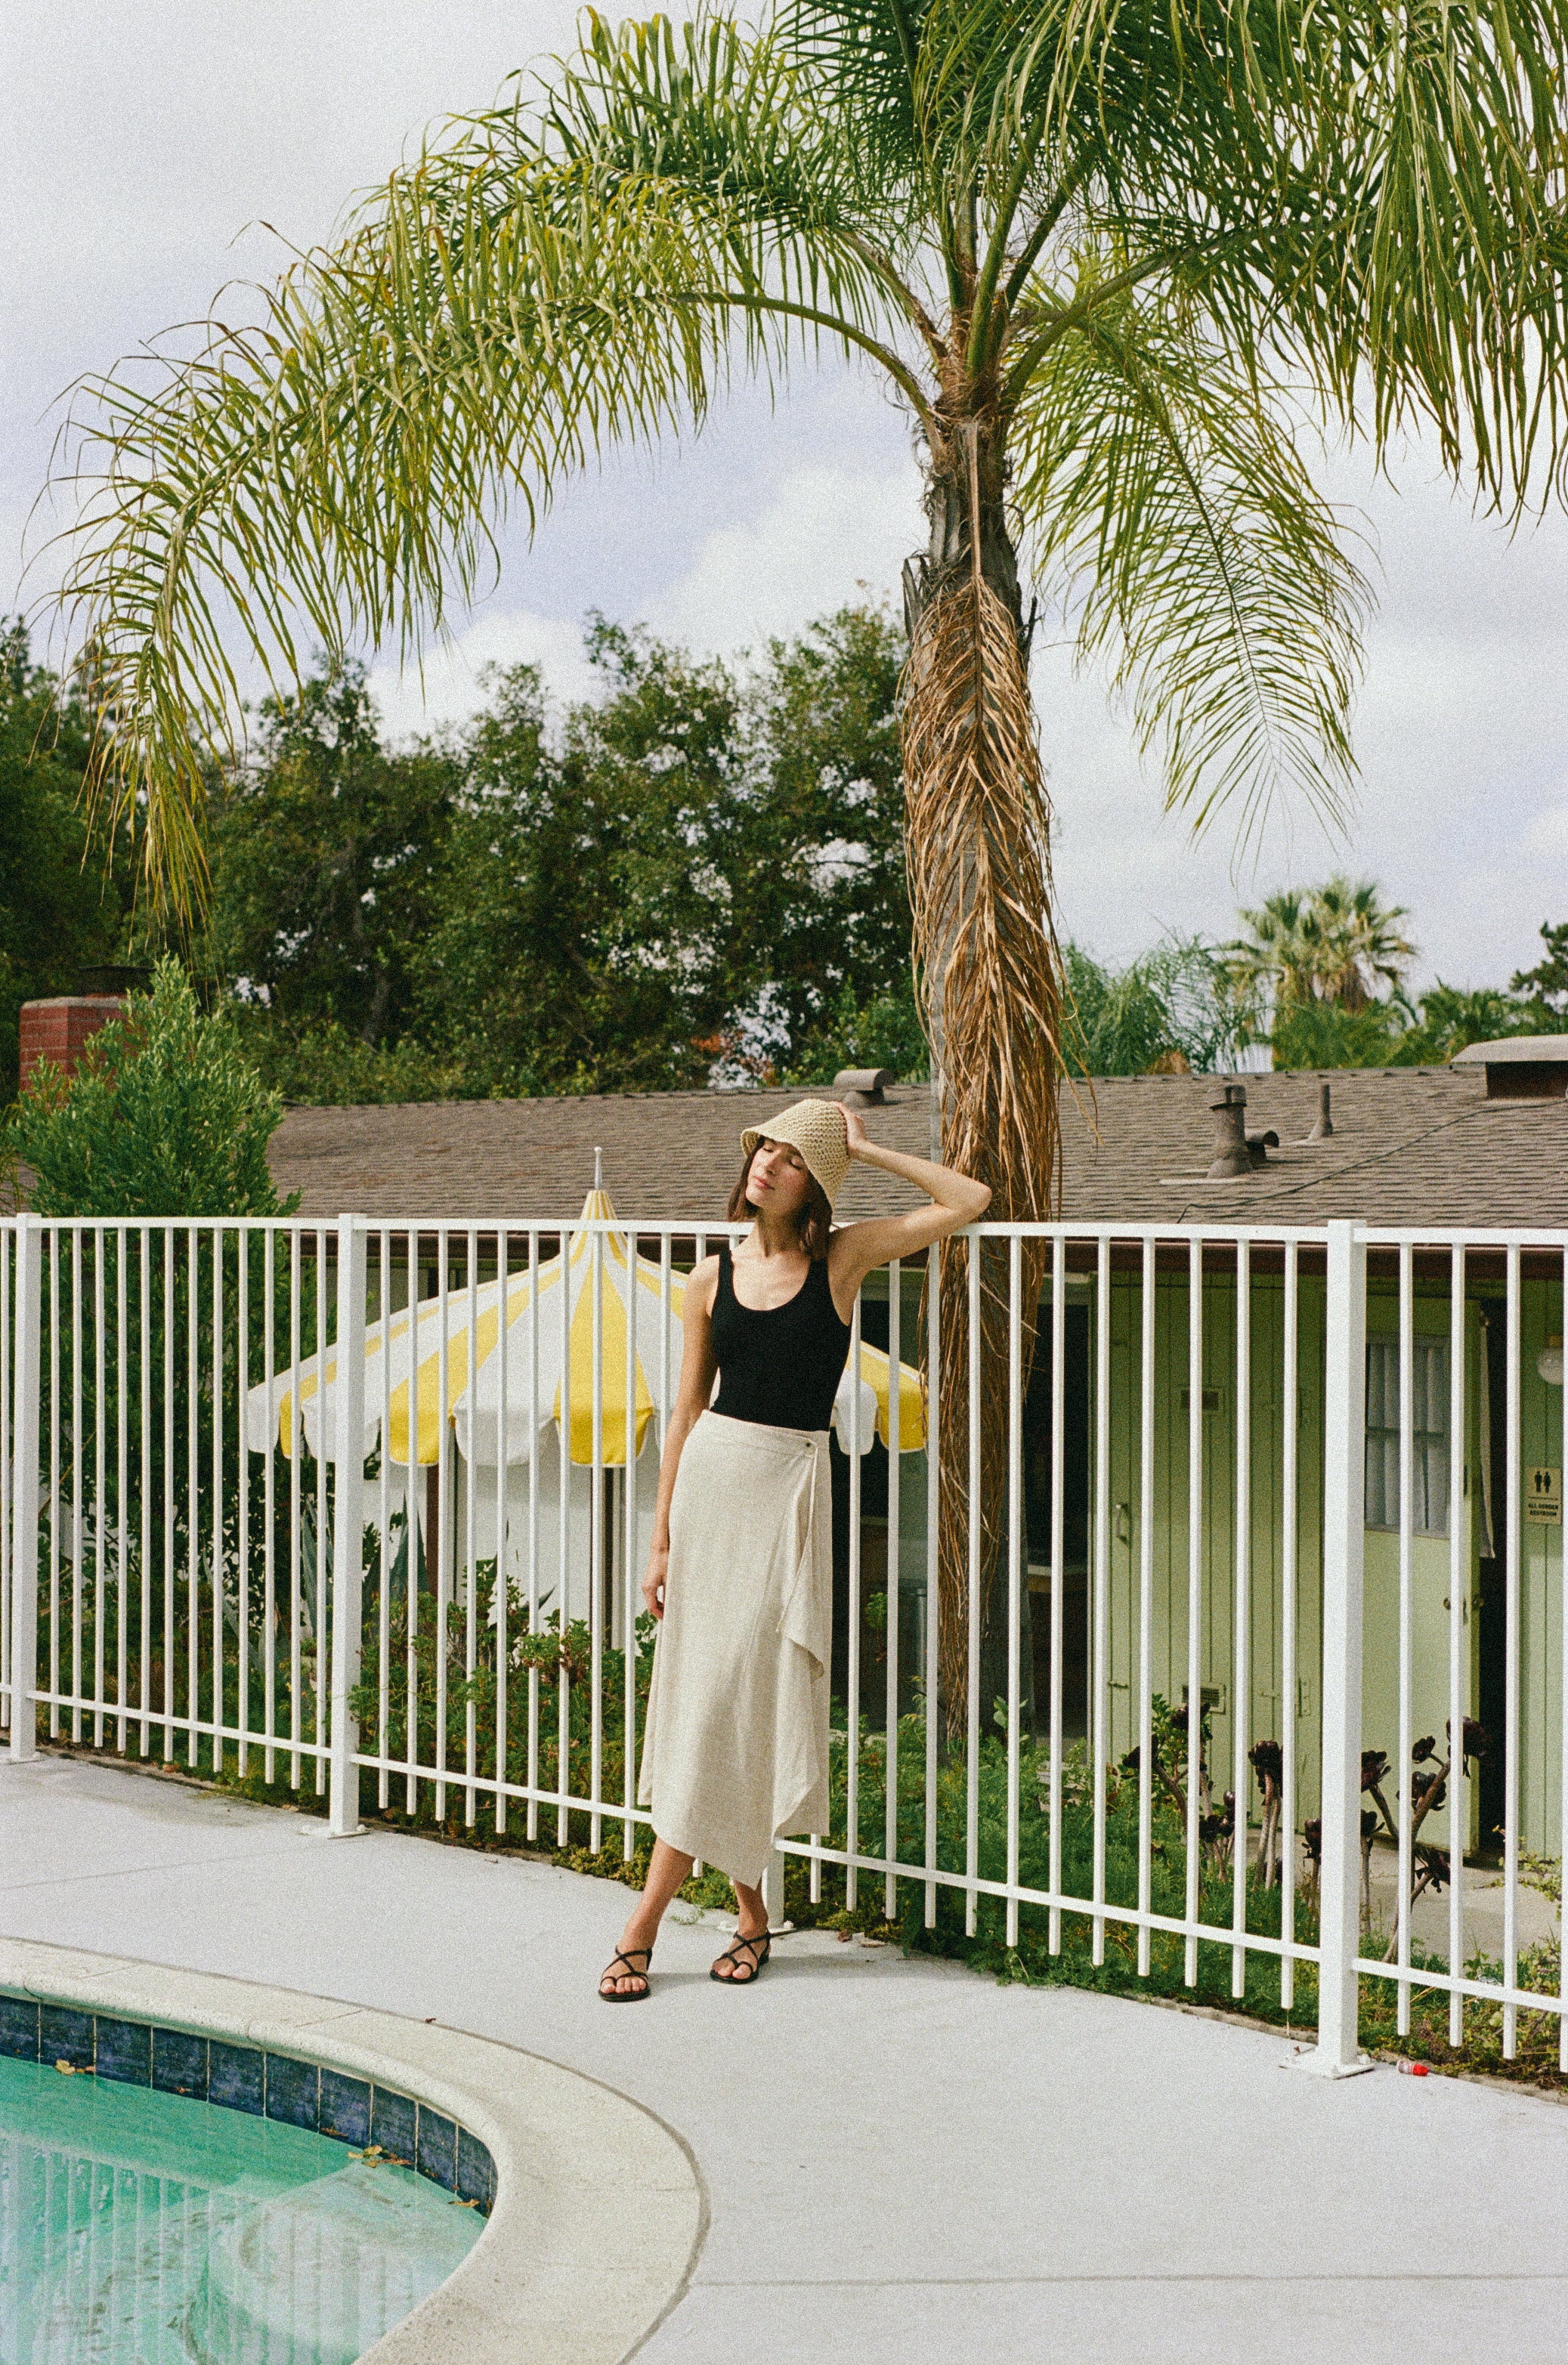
(735, 1748)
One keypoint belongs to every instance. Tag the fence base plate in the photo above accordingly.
(1319, 2065)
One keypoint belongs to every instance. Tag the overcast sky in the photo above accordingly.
(144, 143)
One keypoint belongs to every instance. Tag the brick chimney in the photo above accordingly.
(58, 1029)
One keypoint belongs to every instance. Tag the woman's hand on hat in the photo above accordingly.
(854, 1127)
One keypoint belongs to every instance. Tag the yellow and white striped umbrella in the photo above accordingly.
(499, 1404)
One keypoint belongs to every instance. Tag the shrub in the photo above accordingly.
(162, 1117)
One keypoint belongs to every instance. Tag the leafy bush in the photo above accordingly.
(1327, 1035)
(163, 1116)
(319, 1064)
(1174, 1009)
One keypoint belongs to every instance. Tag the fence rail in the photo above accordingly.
(359, 1509)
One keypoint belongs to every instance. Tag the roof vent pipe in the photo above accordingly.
(1232, 1156)
(863, 1087)
(1324, 1126)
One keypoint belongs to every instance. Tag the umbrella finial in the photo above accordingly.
(599, 1169)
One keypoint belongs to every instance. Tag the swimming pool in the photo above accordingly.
(140, 2227)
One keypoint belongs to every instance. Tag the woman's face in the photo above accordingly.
(779, 1180)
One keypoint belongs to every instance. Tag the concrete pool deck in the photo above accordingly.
(901, 2161)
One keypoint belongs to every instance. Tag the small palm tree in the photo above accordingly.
(1336, 943)
(1279, 955)
(1112, 260)
(1363, 946)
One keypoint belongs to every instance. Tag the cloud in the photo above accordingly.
(448, 688)
(820, 536)
(1546, 839)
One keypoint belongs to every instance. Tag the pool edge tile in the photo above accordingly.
(179, 2063)
(236, 2078)
(346, 2108)
(67, 2035)
(293, 2091)
(20, 2024)
(475, 2171)
(435, 2148)
(123, 2050)
(392, 2122)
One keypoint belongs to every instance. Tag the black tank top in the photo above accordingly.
(781, 1365)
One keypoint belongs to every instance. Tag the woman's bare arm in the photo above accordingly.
(697, 1367)
(957, 1199)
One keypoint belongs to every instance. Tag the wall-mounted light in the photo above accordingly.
(1548, 1362)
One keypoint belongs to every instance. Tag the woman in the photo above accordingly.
(740, 1573)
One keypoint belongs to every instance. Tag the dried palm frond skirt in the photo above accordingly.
(735, 1751)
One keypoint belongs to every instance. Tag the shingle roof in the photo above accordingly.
(666, 1154)
(1410, 1145)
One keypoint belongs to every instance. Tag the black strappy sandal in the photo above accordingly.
(753, 1970)
(613, 1972)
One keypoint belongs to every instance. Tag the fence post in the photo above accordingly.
(348, 1530)
(27, 1322)
(1339, 2052)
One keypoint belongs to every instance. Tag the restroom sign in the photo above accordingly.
(1543, 1497)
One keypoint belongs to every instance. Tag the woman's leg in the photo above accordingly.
(751, 1921)
(668, 1873)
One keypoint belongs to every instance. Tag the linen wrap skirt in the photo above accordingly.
(735, 1748)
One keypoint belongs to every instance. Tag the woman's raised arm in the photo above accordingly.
(956, 1200)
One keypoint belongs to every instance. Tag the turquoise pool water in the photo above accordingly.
(143, 2228)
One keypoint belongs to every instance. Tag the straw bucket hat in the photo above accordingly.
(817, 1129)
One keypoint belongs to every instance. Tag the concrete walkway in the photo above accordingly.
(902, 2161)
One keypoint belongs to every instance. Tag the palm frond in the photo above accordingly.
(867, 52)
(1166, 505)
(546, 281)
(1376, 195)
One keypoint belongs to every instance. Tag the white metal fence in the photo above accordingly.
(361, 1510)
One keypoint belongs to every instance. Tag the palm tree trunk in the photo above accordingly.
(977, 853)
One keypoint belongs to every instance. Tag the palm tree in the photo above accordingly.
(1278, 954)
(1363, 946)
(1110, 259)
(1337, 943)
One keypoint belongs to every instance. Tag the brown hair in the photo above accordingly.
(813, 1222)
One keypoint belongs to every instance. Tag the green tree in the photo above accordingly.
(708, 869)
(1327, 1035)
(819, 897)
(580, 942)
(884, 1032)
(60, 909)
(1174, 1008)
(327, 857)
(1339, 943)
(696, 868)
(1547, 983)
(1362, 947)
(1451, 1016)
(1118, 1025)
(162, 1117)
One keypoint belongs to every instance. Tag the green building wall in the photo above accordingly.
(1269, 1716)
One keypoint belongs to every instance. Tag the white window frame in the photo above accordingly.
(1432, 1462)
